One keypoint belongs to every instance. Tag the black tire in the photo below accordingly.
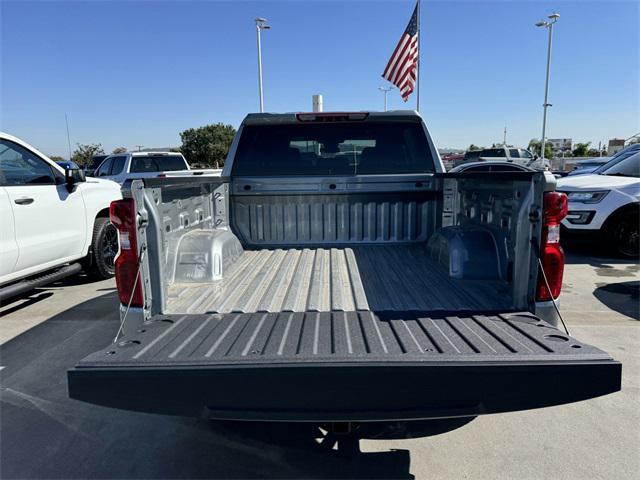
(104, 247)
(622, 233)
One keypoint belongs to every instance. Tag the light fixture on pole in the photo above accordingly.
(553, 18)
(261, 24)
(385, 90)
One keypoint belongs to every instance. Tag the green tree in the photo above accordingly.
(207, 145)
(83, 152)
(581, 149)
(593, 152)
(474, 147)
(119, 150)
(56, 158)
(534, 147)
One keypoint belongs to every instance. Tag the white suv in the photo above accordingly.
(513, 155)
(123, 166)
(54, 221)
(606, 204)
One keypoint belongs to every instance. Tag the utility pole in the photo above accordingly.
(261, 24)
(385, 90)
(66, 120)
(553, 18)
(504, 141)
(139, 147)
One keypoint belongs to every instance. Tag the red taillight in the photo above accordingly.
(551, 253)
(555, 207)
(123, 217)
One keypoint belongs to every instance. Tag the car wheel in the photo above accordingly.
(105, 249)
(622, 233)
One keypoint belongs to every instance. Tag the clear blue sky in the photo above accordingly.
(137, 73)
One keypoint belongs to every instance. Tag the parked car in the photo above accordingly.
(308, 285)
(54, 221)
(66, 164)
(619, 156)
(516, 155)
(491, 166)
(469, 156)
(94, 163)
(606, 205)
(451, 159)
(132, 165)
(582, 167)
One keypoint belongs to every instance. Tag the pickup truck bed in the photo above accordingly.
(334, 273)
(334, 366)
(398, 277)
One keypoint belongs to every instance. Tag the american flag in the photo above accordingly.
(402, 66)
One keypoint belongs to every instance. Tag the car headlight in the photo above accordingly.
(587, 197)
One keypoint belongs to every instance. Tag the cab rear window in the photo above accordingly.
(343, 148)
(157, 163)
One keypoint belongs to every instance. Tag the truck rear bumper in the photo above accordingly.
(343, 366)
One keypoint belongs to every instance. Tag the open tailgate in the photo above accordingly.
(339, 366)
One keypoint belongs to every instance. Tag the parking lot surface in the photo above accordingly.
(47, 435)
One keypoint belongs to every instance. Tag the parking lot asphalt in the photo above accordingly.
(44, 434)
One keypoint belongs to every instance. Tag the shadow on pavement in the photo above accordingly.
(36, 295)
(79, 279)
(47, 435)
(622, 297)
(592, 254)
(27, 299)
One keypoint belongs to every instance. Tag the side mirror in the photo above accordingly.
(73, 176)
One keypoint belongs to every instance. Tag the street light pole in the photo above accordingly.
(553, 18)
(385, 90)
(66, 120)
(261, 24)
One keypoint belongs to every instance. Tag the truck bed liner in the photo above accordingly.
(371, 277)
(343, 366)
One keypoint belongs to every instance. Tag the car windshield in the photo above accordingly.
(618, 157)
(628, 167)
(96, 161)
(345, 148)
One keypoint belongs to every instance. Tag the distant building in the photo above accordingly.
(560, 146)
(615, 145)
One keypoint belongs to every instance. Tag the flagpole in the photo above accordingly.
(419, 53)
